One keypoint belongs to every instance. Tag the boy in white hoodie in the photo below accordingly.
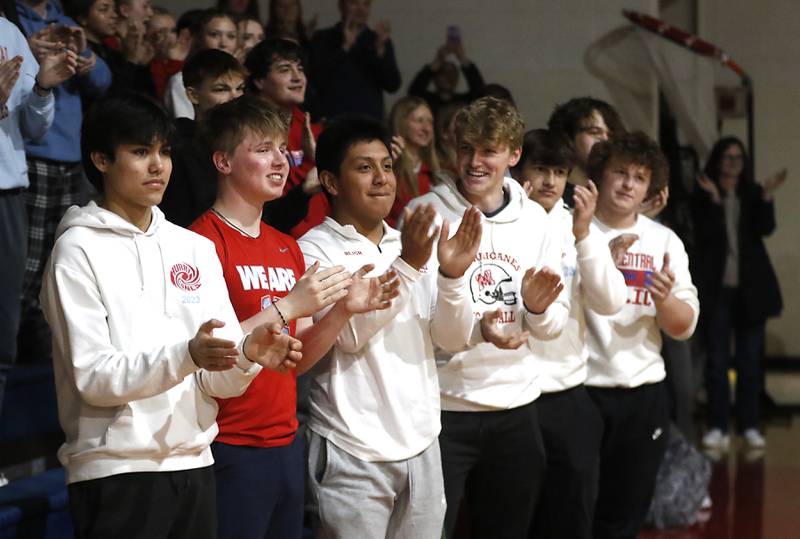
(374, 461)
(626, 371)
(491, 442)
(571, 425)
(144, 338)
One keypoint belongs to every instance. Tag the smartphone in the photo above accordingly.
(453, 34)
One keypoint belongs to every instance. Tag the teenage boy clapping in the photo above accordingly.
(144, 338)
(626, 370)
(571, 425)
(374, 461)
(259, 460)
(491, 444)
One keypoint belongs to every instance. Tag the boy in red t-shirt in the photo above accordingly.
(259, 462)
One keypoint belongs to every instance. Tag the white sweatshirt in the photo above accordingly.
(517, 238)
(376, 394)
(625, 348)
(122, 305)
(593, 282)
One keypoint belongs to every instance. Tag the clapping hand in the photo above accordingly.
(585, 199)
(708, 185)
(655, 204)
(314, 291)
(661, 283)
(490, 329)
(9, 74)
(540, 289)
(373, 293)
(457, 253)
(619, 247)
(771, 184)
(268, 346)
(417, 237)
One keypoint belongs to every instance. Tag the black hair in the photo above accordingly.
(79, 8)
(498, 91)
(712, 168)
(567, 118)
(542, 147)
(205, 17)
(261, 57)
(209, 63)
(188, 20)
(341, 134)
(252, 9)
(630, 148)
(123, 118)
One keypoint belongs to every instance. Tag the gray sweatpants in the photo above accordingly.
(356, 498)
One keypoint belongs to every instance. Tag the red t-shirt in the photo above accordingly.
(257, 271)
(404, 196)
(161, 69)
(318, 207)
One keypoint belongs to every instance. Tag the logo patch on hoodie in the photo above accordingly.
(185, 277)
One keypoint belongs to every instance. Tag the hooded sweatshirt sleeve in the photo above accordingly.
(602, 283)
(549, 324)
(683, 289)
(103, 374)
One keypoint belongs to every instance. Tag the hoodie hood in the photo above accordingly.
(93, 216)
(447, 191)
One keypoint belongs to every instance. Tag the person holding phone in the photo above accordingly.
(444, 73)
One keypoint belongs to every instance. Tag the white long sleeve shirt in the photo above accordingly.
(122, 305)
(376, 393)
(625, 348)
(593, 282)
(484, 377)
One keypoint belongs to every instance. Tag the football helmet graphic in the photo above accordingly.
(490, 284)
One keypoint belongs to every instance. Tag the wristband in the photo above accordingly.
(275, 304)
(39, 89)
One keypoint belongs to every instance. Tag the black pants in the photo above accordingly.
(14, 246)
(572, 430)
(497, 460)
(146, 505)
(634, 440)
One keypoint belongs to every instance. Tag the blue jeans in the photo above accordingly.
(747, 361)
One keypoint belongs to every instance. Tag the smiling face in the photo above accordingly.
(136, 177)
(212, 92)
(284, 84)
(257, 169)
(547, 183)
(364, 190)
(623, 188)
(418, 128)
(481, 169)
(219, 33)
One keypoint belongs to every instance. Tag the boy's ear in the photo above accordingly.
(514, 157)
(221, 162)
(100, 160)
(259, 84)
(191, 93)
(329, 183)
(124, 9)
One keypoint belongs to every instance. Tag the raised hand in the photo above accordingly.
(371, 294)
(351, 30)
(44, 42)
(417, 237)
(655, 204)
(457, 253)
(315, 290)
(9, 74)
(209, 352)
(771, 184)
(540, 289)
(619, 247)
(56, 68)
(308, 141)
(268, 346)
(383, 31)
(490, 329)
(585, 203)
(708, 185)
(661, 283)
(398, 147)
(86, 64)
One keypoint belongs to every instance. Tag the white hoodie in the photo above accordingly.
(376, 395)
(122, 305)
(515, 239)
(625, 348)
(593, 282)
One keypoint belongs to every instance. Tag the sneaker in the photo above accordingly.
(754, 439)
(716, 439)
